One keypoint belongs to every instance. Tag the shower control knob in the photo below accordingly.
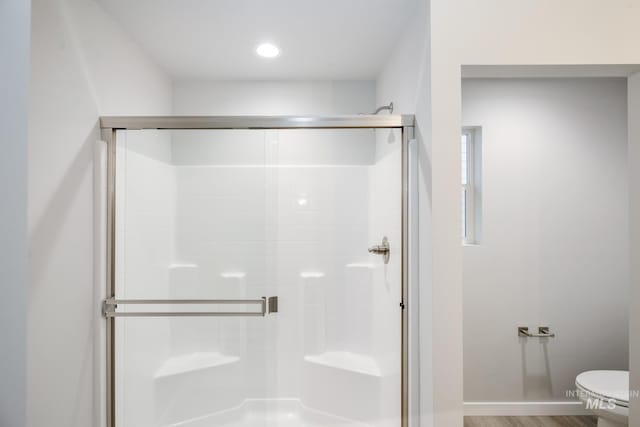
(382, 249)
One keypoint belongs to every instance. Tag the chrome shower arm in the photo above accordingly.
(385, 107)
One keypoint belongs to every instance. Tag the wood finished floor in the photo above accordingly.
(565, 421)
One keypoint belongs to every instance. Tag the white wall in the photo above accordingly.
(405, 81)
(498, 32)
(14, 72)
(554, 236)
(82, 67)
(273, 97)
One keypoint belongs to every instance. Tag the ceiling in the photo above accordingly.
(216, 39)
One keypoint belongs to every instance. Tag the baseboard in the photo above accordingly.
(524, 408)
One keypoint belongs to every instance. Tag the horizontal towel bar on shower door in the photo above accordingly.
(109, 307)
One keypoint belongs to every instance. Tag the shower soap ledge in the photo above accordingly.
(193, 362)
(347, 361)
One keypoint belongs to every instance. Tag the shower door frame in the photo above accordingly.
(409, 334)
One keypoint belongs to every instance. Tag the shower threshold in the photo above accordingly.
(272, 413)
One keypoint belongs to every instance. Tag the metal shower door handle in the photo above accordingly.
(269, 305)
(382, 249)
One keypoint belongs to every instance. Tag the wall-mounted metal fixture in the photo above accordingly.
(543, 332)
(382, 249)
(273, 305)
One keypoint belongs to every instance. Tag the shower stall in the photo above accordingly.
(258, 271)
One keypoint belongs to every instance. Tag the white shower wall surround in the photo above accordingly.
(246, 214)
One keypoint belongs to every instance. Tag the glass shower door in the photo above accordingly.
(245, 290)
(191, 244)
(334, 194)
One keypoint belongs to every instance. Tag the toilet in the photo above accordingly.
(606, 394)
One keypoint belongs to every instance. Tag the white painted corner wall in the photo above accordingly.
(498, 32)
(78, 72)
(405, 81)
(14, 82)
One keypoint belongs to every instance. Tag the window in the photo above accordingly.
(471, 162)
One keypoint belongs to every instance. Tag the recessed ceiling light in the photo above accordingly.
(268, 50)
